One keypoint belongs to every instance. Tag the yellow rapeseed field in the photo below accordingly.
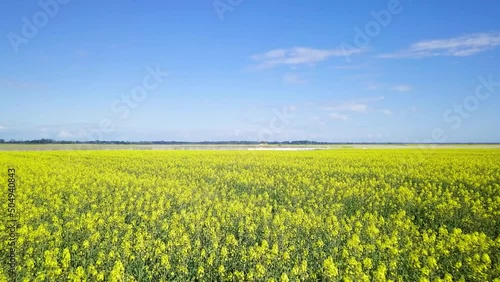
(333, 215)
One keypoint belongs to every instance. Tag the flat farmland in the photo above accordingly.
(345, 214)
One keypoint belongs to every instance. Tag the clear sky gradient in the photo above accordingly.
(195, 70)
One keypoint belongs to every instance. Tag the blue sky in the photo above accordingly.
(353, 71)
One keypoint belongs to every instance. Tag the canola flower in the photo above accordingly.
(338, 215)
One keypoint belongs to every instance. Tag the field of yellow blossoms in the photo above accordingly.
(330, 215)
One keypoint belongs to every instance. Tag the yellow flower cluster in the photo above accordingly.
(336, 215)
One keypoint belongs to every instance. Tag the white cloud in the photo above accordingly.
(371, 99)
(317, 120)
(81, 52)
(2, 127)
(75, 133)
(357, 105)
(372, 87)
(349, 67)
(386, 112)
(342, 110)
(338, 116)
(293, 78)
(402, 88)
(20, 84)
(299, 56)
(461, 46)
(349, 107)
(65, 134)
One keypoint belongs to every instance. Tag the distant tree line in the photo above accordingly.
(52, 141)
(117, 142)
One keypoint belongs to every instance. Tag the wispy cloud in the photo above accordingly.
(349, 107)
(461, 46)
(386, 112)
(2, 127)
(297, 56)
(66, 134)
(20, 84)
(402, 88)
(338, 116)
(349, 67)
(356, 105)
(341, 110)
(81, 52)
(317, 120)
(371, 87)
(293, 78)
